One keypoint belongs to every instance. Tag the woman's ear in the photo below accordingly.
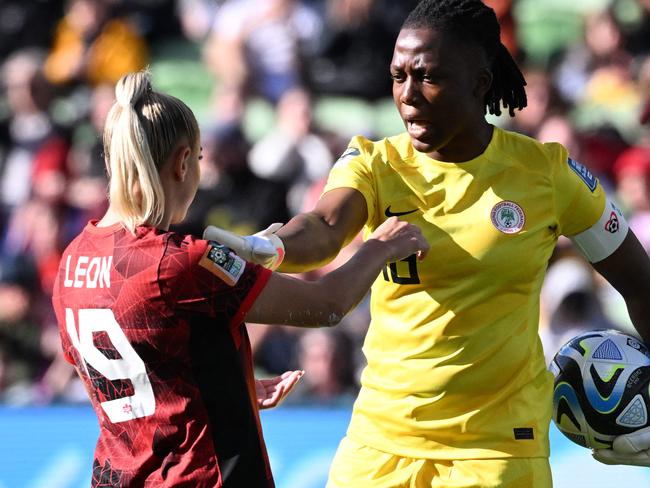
(483, 83)
(181, 162)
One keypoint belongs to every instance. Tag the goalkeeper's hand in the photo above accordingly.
(263, 248)
(632, 449)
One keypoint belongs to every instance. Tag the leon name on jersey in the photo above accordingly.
(88, 272)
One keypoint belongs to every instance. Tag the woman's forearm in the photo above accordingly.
(309, 243)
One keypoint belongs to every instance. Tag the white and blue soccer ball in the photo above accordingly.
(601, 388)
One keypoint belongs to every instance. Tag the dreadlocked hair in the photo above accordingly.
(474, 21)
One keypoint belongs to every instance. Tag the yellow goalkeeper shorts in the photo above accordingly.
(359, 466)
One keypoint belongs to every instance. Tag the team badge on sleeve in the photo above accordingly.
(585, 175)
(348, 154)
(224, 263)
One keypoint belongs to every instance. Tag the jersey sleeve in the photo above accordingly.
(579, 198)
(352, 170)
(199, 276)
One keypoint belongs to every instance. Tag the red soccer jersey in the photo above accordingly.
(153, 323)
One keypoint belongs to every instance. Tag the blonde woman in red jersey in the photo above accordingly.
(153, 320)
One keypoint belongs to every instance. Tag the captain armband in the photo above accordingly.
(603, 238)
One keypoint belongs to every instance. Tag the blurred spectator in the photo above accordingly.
(27, 24)
(558, 128)
(34, 150)
(644, 90)
(20, 356)
(503, 11)
(569, 304)
(325, 355)
(34, 234)
(257, 48)
(637, 33)
(229, 194)
(599, 148)
(356, 47)
(196, 18)
(274, 348)
(292, 152)
(543, 100)
(90, 46)
(86, 190)
(153, 20)
(602, 49)
(632, 172)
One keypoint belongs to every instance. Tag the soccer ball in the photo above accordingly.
(601, 388)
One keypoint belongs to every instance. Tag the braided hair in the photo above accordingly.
(474, 21)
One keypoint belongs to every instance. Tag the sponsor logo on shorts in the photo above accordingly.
(508, 217)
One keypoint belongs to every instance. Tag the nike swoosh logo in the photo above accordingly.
(388, 213)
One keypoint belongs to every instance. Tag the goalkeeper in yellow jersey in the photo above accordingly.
(456, 392)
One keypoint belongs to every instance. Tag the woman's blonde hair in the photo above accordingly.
(142, 128)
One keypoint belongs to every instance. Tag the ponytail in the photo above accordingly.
(142, 128)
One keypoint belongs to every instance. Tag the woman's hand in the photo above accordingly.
(271, 391)
(402, 239)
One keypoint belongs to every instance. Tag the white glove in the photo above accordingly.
(632, 449)
(263, 248)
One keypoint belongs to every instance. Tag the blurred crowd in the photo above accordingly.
(279, 87)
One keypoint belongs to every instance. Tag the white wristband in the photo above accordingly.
(603, 238)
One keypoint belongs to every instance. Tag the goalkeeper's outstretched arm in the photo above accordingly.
(308, 241)
(290, 301)
(315, 238)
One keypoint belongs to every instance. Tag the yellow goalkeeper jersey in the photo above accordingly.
(455, 365)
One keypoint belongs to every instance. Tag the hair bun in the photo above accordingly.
(132, 87)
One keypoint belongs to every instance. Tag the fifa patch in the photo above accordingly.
(224, 263)
(585, 175)
(523, 433)
(349, 153)
(508, 217)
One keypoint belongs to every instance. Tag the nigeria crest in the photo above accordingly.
(508, 217)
